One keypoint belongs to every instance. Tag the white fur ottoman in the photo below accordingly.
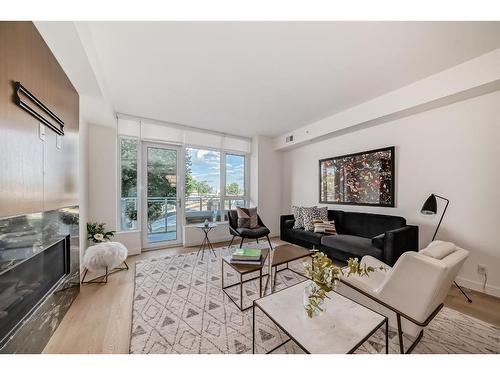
(104, 255)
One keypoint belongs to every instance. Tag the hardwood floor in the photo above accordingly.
(99, 320)
(483, 306)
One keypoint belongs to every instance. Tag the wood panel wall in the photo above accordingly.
(34, 175)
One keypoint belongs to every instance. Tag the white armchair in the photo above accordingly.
(412, 292)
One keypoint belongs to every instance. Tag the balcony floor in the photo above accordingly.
(159, 237)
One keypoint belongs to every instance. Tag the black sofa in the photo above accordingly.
(384, 237)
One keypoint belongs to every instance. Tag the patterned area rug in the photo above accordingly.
(179, 307)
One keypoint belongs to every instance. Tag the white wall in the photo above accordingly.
(453, 151)
(102, 175)
(103, 184)
(83, 193)
(265, 182)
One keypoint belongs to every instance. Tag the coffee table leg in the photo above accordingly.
(253, 329)
(274, 278)
(241, 292)
(260, 283)
(222, 274)
(386, 336)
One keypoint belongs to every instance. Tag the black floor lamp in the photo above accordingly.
(430, 208)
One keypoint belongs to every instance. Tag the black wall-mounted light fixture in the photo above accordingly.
(23, 98)
(430, 208)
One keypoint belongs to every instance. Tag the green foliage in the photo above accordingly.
(97, 232)
(325, 275)
(202, 187)
(128, 155)
(233, 189)
(162, 178)
(189, 180)
(162, 182)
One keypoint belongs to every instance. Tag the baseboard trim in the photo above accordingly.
(492, 290)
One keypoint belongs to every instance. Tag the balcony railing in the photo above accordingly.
(162, 211)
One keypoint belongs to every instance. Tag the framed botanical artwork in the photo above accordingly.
(365, 178)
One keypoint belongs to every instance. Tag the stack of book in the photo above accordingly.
(246, 255)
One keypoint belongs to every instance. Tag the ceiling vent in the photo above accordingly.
(289, 139)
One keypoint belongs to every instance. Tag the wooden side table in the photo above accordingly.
(244, 269)
(283, 255)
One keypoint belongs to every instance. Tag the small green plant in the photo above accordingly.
(96, 232)
(325, 275)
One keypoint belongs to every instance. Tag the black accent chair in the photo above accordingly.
(255, 233)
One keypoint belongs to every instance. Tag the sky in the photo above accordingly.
(206, 167)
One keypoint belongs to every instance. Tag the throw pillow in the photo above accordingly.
(323, 213)
(247, 217)
(310, 214)
(324, 226)
(438, 249)
(298, 216)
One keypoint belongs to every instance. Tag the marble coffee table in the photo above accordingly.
(341, 329)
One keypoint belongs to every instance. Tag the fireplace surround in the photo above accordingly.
(39, 276)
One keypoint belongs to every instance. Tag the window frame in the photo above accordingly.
(138, 187)
(246, 195)
(222, 178)
(222, 198)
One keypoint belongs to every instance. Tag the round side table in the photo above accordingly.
(206, 244)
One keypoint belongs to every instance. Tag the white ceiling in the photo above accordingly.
(267, 78)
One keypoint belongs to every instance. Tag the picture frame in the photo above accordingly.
(364, 178)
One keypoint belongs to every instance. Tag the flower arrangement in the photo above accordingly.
(325, 275)
(97, 232)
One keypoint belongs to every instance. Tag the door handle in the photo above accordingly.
(179, 202)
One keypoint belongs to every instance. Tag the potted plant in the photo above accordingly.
(324, 276)
(96, 232)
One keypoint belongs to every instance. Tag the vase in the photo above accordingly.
(309, 290)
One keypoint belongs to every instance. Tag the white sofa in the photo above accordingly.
(412, 292)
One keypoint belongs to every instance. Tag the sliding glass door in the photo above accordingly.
(161, 195)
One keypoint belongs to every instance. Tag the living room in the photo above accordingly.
(324, 186)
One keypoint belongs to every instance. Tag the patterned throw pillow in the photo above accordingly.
(247, 217)
(309, 214)
(298, 216)
(313, 213)
(323, 213)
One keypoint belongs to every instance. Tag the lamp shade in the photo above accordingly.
(430, 206)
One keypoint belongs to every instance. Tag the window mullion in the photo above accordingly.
(222, 185)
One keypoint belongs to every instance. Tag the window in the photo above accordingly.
(235, 192)
(202, 185)
(215, 182)
(128, 183)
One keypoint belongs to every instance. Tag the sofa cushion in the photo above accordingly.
(304, 235)
(369, 225)
(355, 245)
(337, 216)
(378, 241)
(289, 223)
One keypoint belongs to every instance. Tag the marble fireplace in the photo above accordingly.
(39, 276)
